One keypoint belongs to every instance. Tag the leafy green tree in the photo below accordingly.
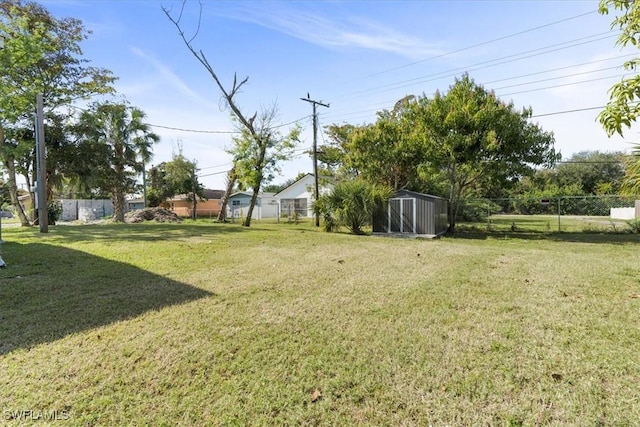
(260, 147)
(180, 175)
(594, 172)
(158, 189)
(623, 107)
(256, 154)
(41, 55)
(631, 183)
(16, 144)
(382, 152)
(177, 176)
(333, 155)
(351, 204)
(468, 135)
(122, 144)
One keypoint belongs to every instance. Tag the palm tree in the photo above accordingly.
(122, 142)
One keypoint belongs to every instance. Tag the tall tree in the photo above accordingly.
(180, 175)
(123, 145)
(381, 152)
(333, 156)
(42, 55)
(623, 107)
(256, 139)
(256, 159)
(384, 152)
(468, 135)
(624, 104)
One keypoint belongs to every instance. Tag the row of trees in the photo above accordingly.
(97, 151)
(100, 151)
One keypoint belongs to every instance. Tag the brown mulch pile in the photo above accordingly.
(151, 214)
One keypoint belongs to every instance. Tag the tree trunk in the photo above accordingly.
(254, 199)
(118, 208)
(13, 191)
(258, 182)
(231, 181)
(118, 205)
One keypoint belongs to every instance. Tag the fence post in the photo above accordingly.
(559, 229)
(488, 214)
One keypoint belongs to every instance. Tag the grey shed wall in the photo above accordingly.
(430, 214)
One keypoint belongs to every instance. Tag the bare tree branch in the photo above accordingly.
(201, 57)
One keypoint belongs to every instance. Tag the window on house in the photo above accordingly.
(290, 206)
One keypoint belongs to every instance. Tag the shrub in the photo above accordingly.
(477, 210)
(351, 204)
(54, 211)
(634, 225)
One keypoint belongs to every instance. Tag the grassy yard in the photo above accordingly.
(550, 224)
(210, 324)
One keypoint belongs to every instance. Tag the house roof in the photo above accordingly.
(208, 194)
(250, 193)
(303, 177)
(294, 183)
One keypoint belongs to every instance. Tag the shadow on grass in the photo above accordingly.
(48, 292)
(582, 237)
(144, 231)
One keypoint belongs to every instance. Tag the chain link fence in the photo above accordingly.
(611, 213)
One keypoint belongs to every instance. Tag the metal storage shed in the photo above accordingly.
(408, 212)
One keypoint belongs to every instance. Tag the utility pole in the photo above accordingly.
(315, 148)
(43, 214)
(144, 185)
(194, 213)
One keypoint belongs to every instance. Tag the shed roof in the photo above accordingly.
(416, 194)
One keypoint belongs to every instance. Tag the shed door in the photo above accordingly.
(402, 215)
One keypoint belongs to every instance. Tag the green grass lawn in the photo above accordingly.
(550, 224)
(199, 324)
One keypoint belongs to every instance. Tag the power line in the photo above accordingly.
(523, 83)
(211, 174)
(219, 131)
(564, 68)
(575, 110)
(562, 85)
(193, 130)
(483, 65)
(481, 44)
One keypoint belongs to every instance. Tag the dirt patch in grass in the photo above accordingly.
(151, 214)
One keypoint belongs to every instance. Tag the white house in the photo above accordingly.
(298, 197)
(266, 205)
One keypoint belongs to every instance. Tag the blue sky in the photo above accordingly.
(358, 56)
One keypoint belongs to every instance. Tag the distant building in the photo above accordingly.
(210, 207)
(298, 197)
(266, 205)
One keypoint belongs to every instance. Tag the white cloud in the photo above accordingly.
(343, 31)
(168, 76)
